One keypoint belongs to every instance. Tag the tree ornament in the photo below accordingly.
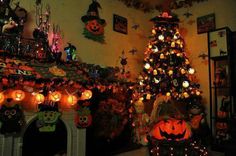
(185, 84)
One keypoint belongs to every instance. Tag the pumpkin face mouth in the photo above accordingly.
(172, 136)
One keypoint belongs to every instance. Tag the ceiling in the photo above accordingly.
(160, 5)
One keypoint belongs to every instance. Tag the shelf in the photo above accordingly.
(219, 58)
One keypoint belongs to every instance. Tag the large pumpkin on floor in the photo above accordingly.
(172, 129)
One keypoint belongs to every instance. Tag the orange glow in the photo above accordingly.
(2, 97)
(18, 95)
(87, 94)
(55, 96)
(39, 98)
(71, 99)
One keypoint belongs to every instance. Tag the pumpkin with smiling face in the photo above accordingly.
(95, 27)
(172, 129)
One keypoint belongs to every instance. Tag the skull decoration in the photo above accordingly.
(84, 118)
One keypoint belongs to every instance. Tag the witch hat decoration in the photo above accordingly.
(93, 13)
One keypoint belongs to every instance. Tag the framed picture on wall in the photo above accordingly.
(206, 23)
(218, 41)
(120, 24)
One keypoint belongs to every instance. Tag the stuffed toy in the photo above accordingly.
(9, 26)
(141, 122)
(11, 119)
(94, 25)
(48, 117)
(198, 123)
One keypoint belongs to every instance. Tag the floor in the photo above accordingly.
(144, 152)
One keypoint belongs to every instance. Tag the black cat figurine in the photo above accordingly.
(11, 118)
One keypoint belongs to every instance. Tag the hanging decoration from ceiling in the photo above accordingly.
(11, 118)
(94, 25)
(148, 5)
(48, 116)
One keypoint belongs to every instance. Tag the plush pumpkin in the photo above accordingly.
(84, 118)
(172, 129)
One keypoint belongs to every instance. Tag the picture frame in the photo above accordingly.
(120, 24)
(206, 23)
(218, 42)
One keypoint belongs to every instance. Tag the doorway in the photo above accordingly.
(37, 143)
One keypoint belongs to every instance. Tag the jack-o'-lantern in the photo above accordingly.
(222, 114)
(2, 97)
(172, 129)
(84, 118)
(18, 95)
(221, 126)
(94, 27)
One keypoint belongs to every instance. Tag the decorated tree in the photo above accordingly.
(167, 72)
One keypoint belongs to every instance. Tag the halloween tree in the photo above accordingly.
(167, 72)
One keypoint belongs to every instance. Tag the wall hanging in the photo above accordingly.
(94, 25)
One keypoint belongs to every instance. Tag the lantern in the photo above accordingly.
(172, 129)
(2, 97)
(55, 96)
(39, 98)
(18, 95)
(87, 94)
(71, 99)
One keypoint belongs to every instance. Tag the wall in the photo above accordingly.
(196, 44)
(67, 14)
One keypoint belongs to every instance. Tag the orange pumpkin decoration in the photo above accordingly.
(18, 95)
(172, 129)
(94, 27)
(221, 126)
(2, 97)
(222, 114)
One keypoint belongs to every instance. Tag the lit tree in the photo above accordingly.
(167, 69)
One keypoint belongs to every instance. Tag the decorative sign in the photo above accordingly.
(120, 24)
(205, 23)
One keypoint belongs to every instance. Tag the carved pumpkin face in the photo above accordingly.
(94, 27)
(221, 126)
(171, 129)
(222, 114)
